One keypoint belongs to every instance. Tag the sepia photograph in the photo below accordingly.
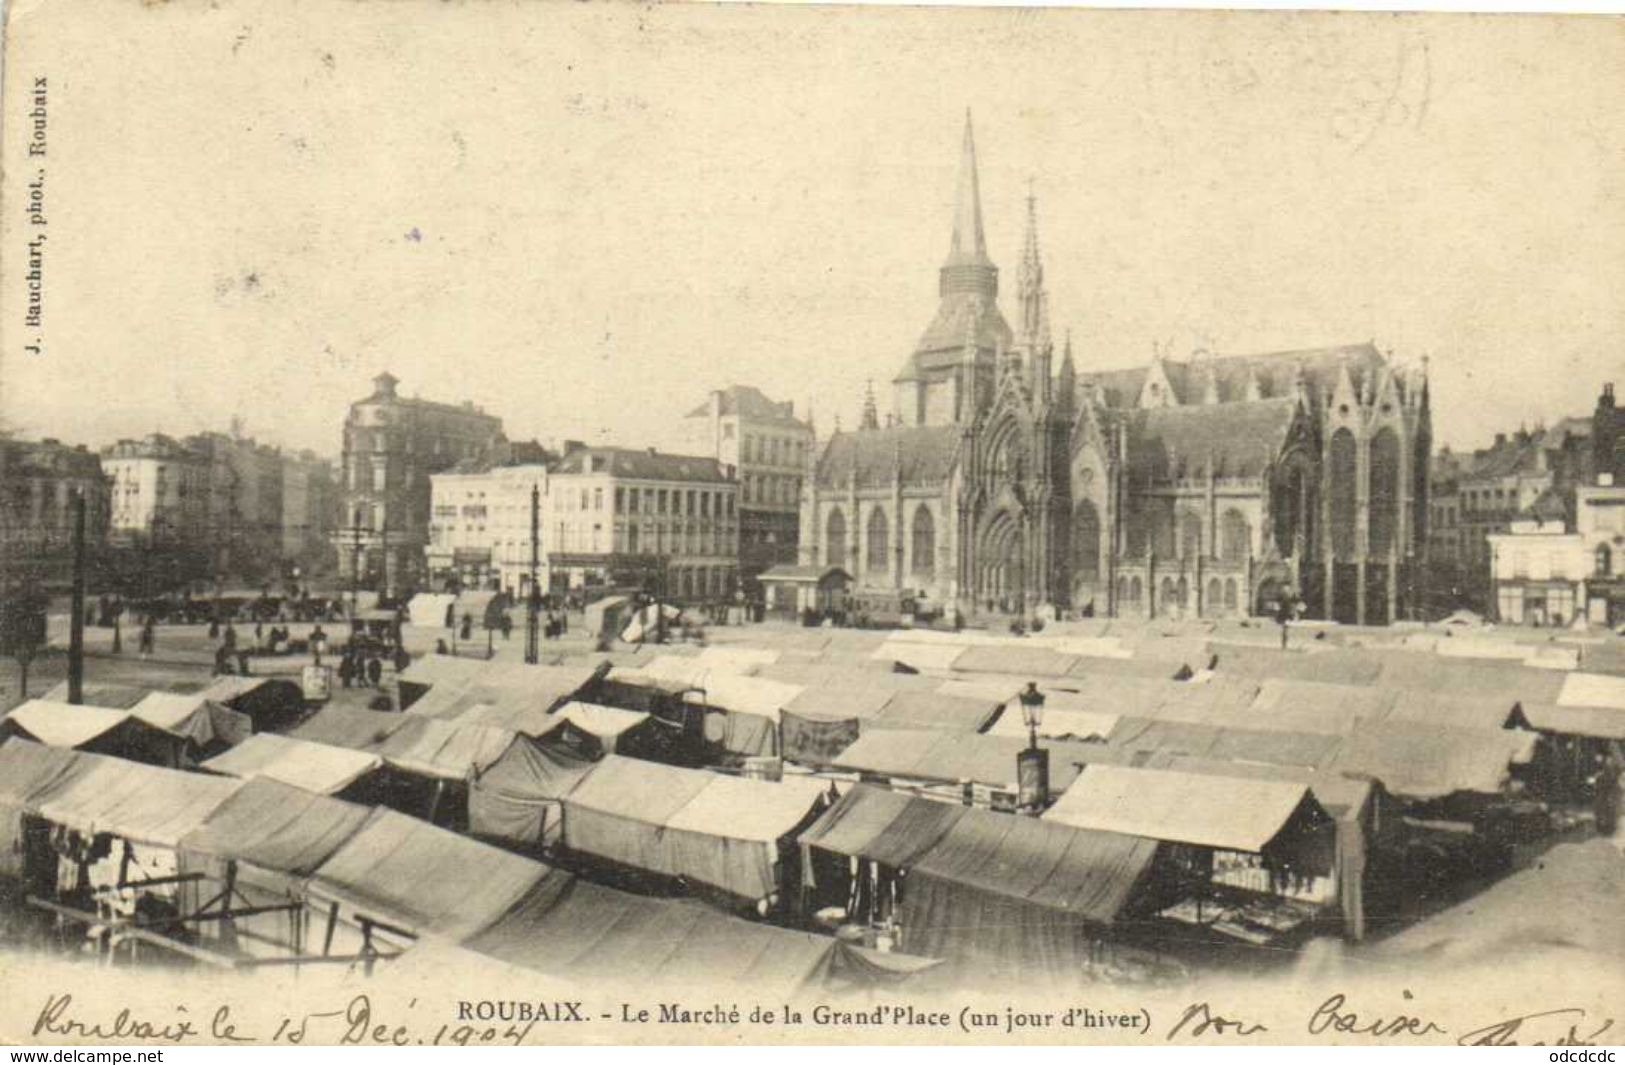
(690, 523)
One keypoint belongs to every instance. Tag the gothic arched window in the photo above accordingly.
(874, 547)
(835, 538)
(923, 544)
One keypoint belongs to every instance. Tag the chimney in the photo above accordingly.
(1500, 440)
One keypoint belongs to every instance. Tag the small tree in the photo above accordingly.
(22, 624)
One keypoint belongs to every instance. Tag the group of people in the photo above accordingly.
(360, 668)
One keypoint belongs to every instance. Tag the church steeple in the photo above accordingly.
(871, 416)
(1030, 290)
(968, 268)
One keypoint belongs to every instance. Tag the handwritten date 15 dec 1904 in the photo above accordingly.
(355, 1024)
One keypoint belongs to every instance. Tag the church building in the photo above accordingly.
(1208, 486)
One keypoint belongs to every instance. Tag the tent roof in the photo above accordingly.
(276, 826)
(640, 791)
(534, 771)
(840, 703)
(1207, 811)
(761, 811)
(596, 935)
(601, 721)
(1595, 721)
(740, 694)
(407, 871)
(65, 724)
(313, 767)
(937, 712)
(884, 826)
(1274, 747)
(29, 769)
(1092, 875)
(1430, 761)
(1454, 711)
(1343, 797)
(1058, 723)
(446, 750)
(359, 730)
(1592, 689)
(1312, 706)
(952, 757)
(1022, 661)
(141, 803)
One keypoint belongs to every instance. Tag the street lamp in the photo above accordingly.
(1032, 711)
(1032, 765)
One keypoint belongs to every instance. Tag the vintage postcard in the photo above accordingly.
(680, 523)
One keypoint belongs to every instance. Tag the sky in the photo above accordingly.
(584, 217)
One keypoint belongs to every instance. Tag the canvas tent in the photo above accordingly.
(271, 703)
(206, 726)
(314, 767)
(703, 827)
(1005, 896)
(1235, 814)
(599, 937)
(135, 802)
(95, 729)
(1421, 761)
(947, 758)
(422, 879)
(517, 799)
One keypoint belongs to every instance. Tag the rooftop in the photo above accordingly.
(648, 465)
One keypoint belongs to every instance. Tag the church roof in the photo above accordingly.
(1274, 373)
(925, 454)
(1241, 439)
(943, 343)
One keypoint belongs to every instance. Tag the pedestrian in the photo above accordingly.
(507, 626)
(440, 647)
(230, 636)
(214, 628)
(375, 672)
(468, 626)
(346, 671)
(147, 637)
(222, 661)
(318, 642)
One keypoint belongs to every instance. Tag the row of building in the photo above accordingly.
(1531, 530)
(435, 496)
(161, 513)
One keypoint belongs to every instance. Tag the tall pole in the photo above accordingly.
(534, 608)
(76, 625)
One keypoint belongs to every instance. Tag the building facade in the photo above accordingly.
(625, 518)
(310, 508)
(767, 446)
(392, 446)
(480, 530)
(1562, 558)
(1204, 486)
(159, 491)
(38, 481)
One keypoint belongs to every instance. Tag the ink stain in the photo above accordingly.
(414, 236)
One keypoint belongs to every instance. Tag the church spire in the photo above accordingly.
(871, 416)
(1034, 297)
(969, 244)
(968, 268)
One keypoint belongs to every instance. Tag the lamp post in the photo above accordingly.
(1032, 765)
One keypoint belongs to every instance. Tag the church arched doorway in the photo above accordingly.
(1085, 553)
(1001, 564)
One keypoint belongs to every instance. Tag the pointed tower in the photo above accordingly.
(968, 268)
(1066, 385)
(968, 290)
(1035, 339)
(871, 417)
